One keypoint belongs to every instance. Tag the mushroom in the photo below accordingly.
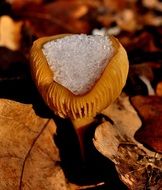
(80, 108)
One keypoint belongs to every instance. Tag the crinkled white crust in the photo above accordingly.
(77, 61)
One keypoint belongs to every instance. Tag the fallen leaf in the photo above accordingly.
(144, 40)
(159, 89)
(29, 158)
(56, 17)
(138, 167)
(127, 21)
(10, 32)
(116, 5)
(17, 4)
(150, 110)
(144, 69)
(141, 77)
(152, 19)
(152, 4)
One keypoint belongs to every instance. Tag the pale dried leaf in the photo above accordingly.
(138, 167)
(29, 158)
(127, 20)
(152, 4)
(151, 19)
(10, 32)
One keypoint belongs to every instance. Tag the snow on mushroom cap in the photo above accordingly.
(77, 61)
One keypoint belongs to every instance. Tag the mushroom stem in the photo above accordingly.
(81, 125)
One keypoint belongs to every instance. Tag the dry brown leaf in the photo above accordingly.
(17, 4)
(57, 17)
(152, 19)
(144, 69)
(127, 20)
(29, 158)
(116, 5)
(140, 78)
(150, 110)
(159, 89)
(152, 4)
(138, 167)
(144, 41)
(10, 32)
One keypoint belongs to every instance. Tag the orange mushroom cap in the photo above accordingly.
(66, 104)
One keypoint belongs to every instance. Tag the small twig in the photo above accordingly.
(92, 186)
